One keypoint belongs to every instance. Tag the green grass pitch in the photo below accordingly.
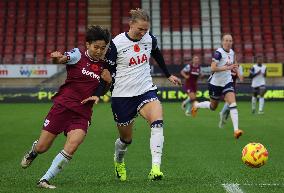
(198, 157)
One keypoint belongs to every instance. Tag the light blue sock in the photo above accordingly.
(188, 107)
(225, 108)
(57, 165)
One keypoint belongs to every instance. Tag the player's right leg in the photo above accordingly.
(74, 138)
(39, 146)
(253, 100)
(120, 149)
(124, 111)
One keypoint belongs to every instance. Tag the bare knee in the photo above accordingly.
(41, 148)
(71, 146)
(213, 105)
(213, 108)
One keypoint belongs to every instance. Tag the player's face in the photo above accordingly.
(138, 28)
(97, 49)
(195, 60)
(259, 60)
(227, 42)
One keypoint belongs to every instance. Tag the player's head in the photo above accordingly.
(139, 23)
(195, 60)
(97, 39)
(259, 59)
(227, 41)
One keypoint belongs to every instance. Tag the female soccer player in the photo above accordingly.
(133, 90)
(72, 109)
(190, 72)
(221, 82)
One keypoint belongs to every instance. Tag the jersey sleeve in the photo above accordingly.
(217, 56)
(73, 56)
(111, 56)
(154, 42)
(186, 68)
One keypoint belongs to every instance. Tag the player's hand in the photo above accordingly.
(259, 72)
(106, 76)
(56, 55)
(232, 67)
(175, 80)
(92, 98)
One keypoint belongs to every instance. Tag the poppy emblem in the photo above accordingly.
(136, 48)
(94, 67)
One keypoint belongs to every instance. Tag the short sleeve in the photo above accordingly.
(186, 68)
(73, 56)
(217, 56)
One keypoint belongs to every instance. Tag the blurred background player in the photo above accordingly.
(190, 73)
(258, 74)
(221, 82)
(133, 90)
(224, 114)
(72, 109)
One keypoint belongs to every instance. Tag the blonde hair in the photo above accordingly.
(138, 13)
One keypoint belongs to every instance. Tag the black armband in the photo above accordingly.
(157, 55)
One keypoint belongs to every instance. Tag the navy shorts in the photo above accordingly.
(215, 92)
(258, 89)
(125, 109)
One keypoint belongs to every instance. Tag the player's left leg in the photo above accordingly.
(262, 91)
(185, 103)
(192, 96)
(224, 115)
(230, 98)
(152, 112)
(74, 138)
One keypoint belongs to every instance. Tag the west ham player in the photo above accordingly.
(191, 73)
(133, 90)
(224, 114)
(72, 109)
(258, 74)
(221, 82)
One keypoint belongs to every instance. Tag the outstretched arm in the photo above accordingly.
(58, 58)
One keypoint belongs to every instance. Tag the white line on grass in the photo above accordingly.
(232, 188)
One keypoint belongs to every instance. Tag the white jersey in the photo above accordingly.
(222, 58)
(258, 80)
(130, 66)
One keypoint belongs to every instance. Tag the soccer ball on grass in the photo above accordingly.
(254, 155)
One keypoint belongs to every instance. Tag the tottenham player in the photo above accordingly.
(221, 83)
(224, 114)
(133, 90)
(258, 74)
(72, 109)
(190, 73)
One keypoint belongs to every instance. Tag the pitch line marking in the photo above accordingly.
(232, 188)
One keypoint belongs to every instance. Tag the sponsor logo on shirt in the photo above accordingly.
(91, 74)
(138, 60)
